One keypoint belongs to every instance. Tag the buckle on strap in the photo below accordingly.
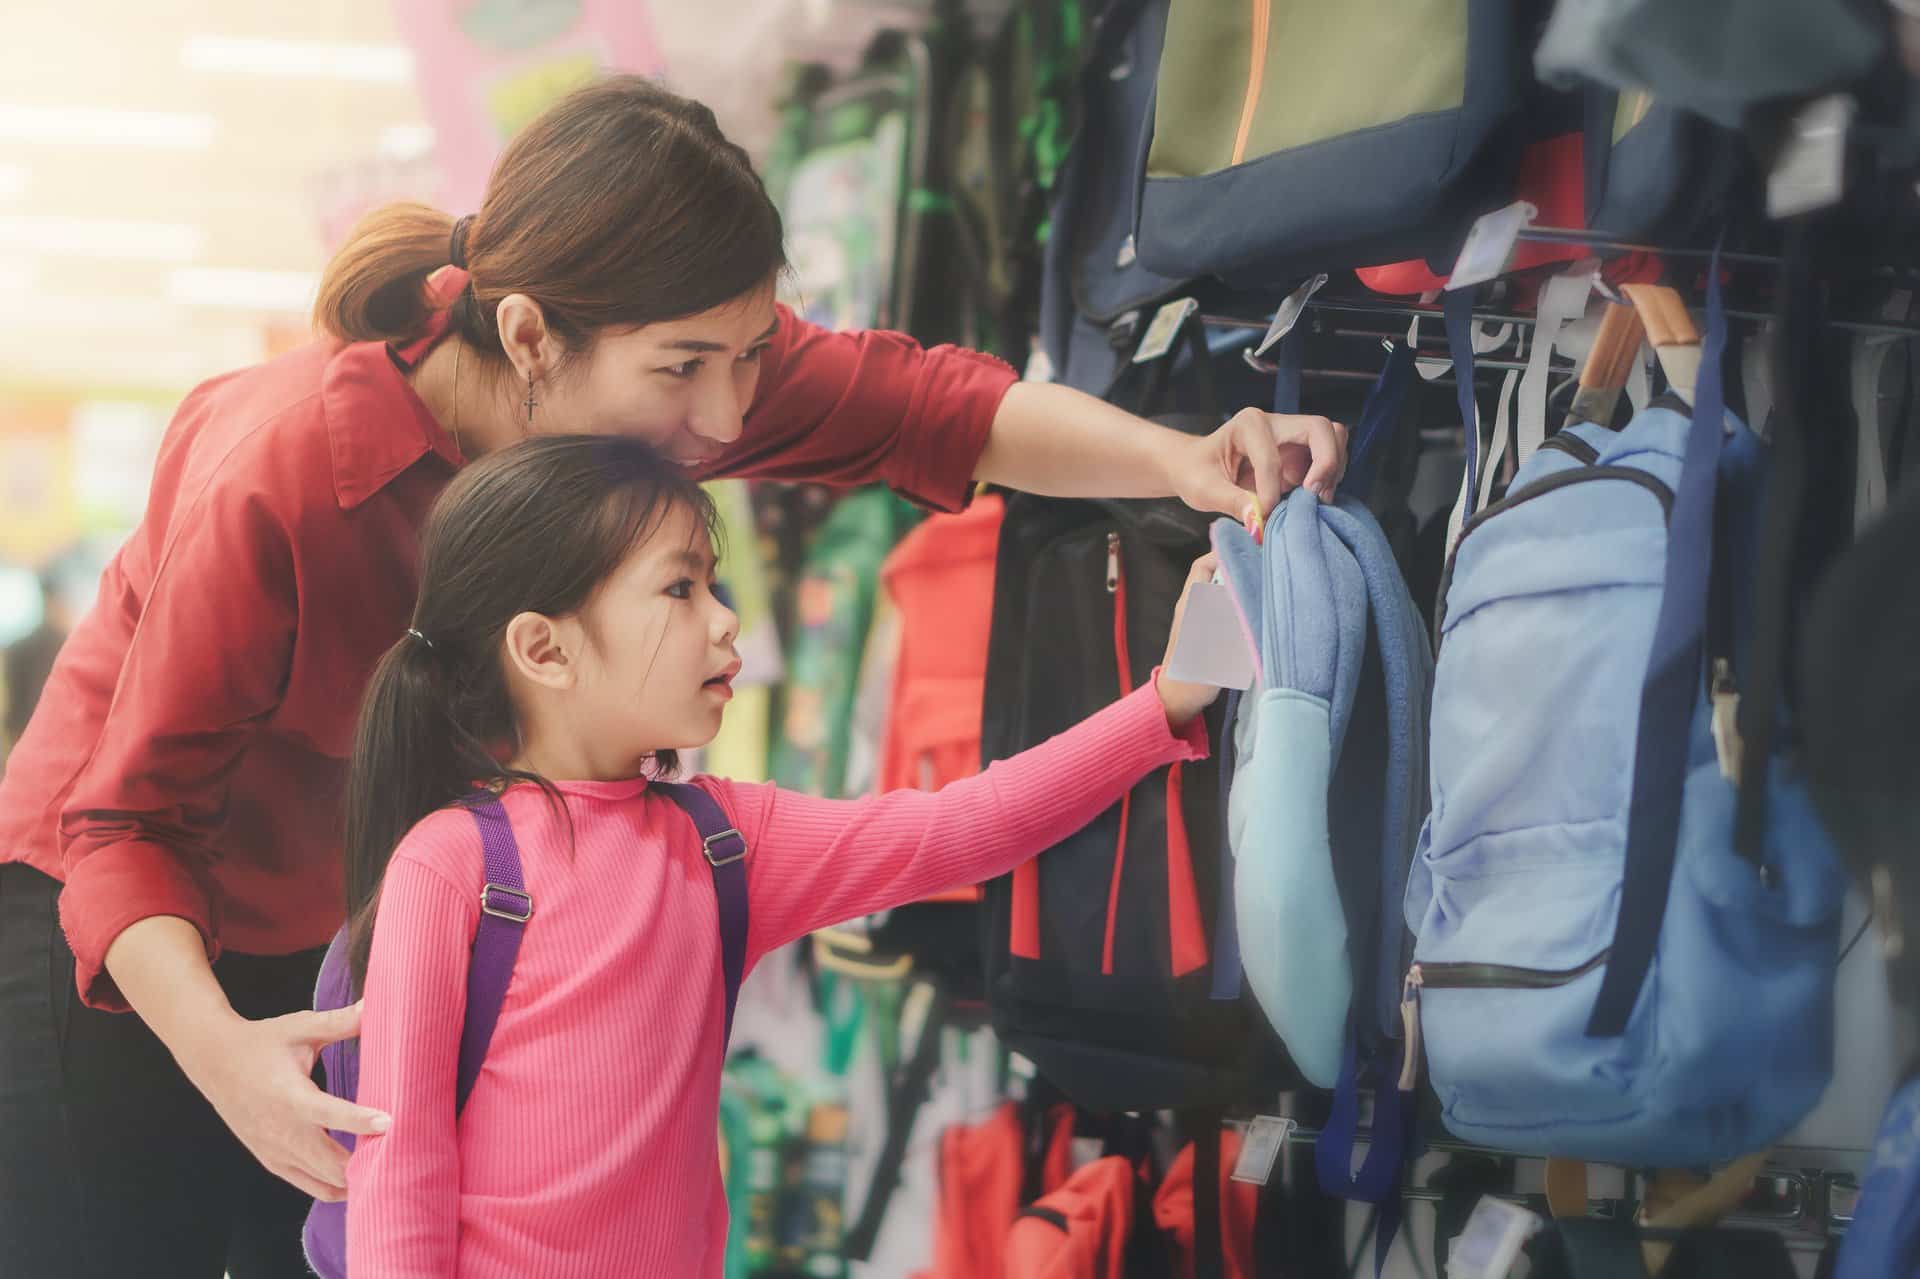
(728, 860)
(523, 899)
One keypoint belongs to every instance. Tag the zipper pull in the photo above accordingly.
(1113, 563)
(1410, 1028)
(1726, 712)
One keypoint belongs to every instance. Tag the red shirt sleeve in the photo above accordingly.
(208, 663)
(856, 408)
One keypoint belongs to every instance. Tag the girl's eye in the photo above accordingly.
(753, 356)
(682, 589)
(685, 370)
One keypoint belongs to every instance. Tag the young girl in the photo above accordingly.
(567, 641)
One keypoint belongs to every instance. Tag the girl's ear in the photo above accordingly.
(543, 650)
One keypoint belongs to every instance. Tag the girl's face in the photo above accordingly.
(683, 386)
(659, 663)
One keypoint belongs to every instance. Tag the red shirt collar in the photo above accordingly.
(377, 425)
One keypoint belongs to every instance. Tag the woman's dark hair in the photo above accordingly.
(622, 204)
(535, 527)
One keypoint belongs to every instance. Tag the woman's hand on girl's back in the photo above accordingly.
(259, 1077)
(1182, 700)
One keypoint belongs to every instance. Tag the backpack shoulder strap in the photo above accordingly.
(726, 851)
(505, 908)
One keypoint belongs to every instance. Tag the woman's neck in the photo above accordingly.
(463, 392)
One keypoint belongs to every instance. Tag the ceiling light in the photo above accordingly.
(244, 290)
(103, 126)
(101, 237)
(374, 63)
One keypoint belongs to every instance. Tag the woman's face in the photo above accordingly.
(683, 386)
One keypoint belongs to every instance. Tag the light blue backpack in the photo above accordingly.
(1599, 973)
(1329, 787)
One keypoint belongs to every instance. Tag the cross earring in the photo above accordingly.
(532, 402)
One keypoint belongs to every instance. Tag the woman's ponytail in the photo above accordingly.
(374, 289)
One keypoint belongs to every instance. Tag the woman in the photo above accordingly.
(178, 792)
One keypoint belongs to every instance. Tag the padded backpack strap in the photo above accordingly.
(505, 908)
(1669, 694)
(726, 852)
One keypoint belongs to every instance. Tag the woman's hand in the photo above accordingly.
(259, 1077)
(1182, 701)
(1268, 453)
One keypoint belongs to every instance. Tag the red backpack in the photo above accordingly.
(988, 1171)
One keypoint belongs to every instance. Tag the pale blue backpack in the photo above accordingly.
(1599, 973)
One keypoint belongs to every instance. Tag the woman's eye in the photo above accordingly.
(682, 589)
(753, 356)
(685, 370)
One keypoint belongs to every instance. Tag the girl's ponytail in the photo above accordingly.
(409, 759)
(374, 289)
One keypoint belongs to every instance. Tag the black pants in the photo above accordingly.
(111, 1163)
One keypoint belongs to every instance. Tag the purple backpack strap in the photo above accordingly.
(505, 908)
(726, 850)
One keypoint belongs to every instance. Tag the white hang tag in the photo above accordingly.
(1811, 170)
(1563, 299)
(1290, 311)
(1260, 1149)
(1163, 329)
(1211, 647)
(1491, 1241)
(1490, 244)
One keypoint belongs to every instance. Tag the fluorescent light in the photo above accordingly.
(244, 290)
(374, 63)
(13, 180)
(405, 141)
(102, 126)
(101, 237)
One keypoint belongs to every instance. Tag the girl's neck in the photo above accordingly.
(562, 761)
(464, 392)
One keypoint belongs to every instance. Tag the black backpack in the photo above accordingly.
(1099, 953)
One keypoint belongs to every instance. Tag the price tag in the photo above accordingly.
(1492, 1240)
(1490, 244)
(1164, 329)
(1289, 313)
(1261, 1147)
(1211, 647)
(1811, 170)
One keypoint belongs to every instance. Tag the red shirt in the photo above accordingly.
(189, 754)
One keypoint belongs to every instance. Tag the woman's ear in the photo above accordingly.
(544, 651)
(525, 337)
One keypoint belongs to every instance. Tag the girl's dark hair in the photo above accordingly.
(535, 527)
(622, 204)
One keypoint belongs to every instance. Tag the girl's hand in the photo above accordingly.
(259, 1077)
(1182, 700)
(1258, 455)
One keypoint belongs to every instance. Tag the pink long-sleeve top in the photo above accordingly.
(589, 1146)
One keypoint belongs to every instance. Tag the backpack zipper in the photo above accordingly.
(1540, 488)
(1472, 976)
(1574, 445)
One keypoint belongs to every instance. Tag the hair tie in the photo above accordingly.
(457, 242)
(417, 635)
